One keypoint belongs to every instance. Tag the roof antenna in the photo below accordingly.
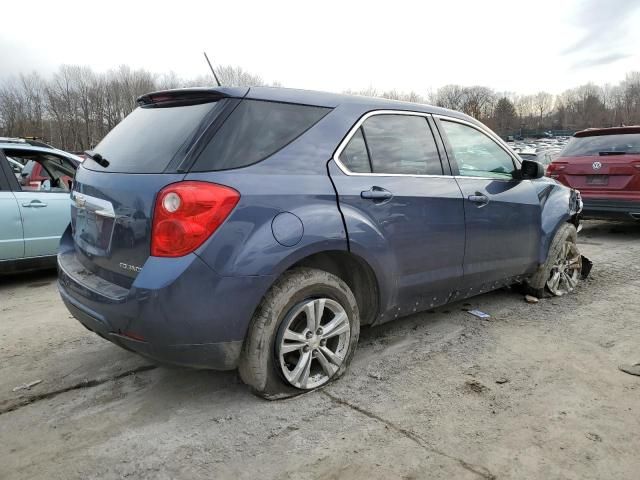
(212, 70)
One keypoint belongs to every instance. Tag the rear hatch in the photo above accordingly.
(114, 192)
(601, 164)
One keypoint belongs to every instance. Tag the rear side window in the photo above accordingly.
(602, 145)
(254, 131)
(401, 144)
(149, 138)
(355, 156)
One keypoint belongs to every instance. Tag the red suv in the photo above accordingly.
(604, 164)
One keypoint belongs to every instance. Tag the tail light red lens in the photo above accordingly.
(554, 168)
(186, 214)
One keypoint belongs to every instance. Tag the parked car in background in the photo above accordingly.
(35, 174)
(35, 181)
(261, 228)
(528, 154)
(604, 164)
(545, 157)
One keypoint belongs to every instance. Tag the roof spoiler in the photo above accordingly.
(188, 96)
(595, 132)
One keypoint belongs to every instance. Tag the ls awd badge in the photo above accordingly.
(130, 268)
(597, 165)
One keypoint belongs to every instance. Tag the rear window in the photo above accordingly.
(402, 144)
(255, 130)
(149, 138)
(602, 145)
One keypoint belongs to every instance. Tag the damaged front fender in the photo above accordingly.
(559, 205)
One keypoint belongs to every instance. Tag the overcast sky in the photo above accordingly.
(336, 45)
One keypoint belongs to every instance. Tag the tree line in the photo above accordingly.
(75, 108)
(585, 106)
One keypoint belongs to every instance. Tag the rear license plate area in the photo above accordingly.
(94, 229)
(597, 179)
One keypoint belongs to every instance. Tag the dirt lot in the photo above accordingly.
(534, 392)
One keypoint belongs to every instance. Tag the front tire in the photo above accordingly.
(302, 336)
(561, 271)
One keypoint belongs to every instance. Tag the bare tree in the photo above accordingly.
(543, 104)
(450, 96)
(478, 102)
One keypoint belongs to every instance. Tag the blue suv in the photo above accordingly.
(260, 228)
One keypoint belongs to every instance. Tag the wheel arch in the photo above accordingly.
(355, 272)
(559, 206)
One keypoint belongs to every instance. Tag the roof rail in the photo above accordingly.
(33, 141)
(12, 140)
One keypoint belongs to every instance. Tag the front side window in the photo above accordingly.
(401, 144)
(476, 154)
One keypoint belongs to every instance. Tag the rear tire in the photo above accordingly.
(287, 350)
(561, 271)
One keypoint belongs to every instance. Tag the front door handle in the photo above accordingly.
(479, 198)
(377, 193)
(34, 204)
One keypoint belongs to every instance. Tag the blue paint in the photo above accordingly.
(427, 245)
(287, 229)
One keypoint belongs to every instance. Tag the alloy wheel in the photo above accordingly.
(565, 272)
(313, 342)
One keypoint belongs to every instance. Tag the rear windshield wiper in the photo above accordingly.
(604, 154)
(99, 159)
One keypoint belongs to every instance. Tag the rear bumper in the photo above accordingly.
(217, 356)
(611, 209)
(178, 310)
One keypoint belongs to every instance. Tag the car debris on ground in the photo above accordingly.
(27, 386)
(479, 314)
(531, 299)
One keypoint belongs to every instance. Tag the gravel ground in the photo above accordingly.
(533, 392)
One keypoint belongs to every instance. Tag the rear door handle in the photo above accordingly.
(479, 198)
(34, 204)
(377, 193)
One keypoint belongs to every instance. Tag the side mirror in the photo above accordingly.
(531, 170)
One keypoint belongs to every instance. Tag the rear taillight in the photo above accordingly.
(186, 214)
(553, 169)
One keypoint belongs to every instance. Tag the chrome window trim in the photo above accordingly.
(469, 177)
(358, 124)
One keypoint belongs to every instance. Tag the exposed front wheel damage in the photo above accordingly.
(564, 268)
